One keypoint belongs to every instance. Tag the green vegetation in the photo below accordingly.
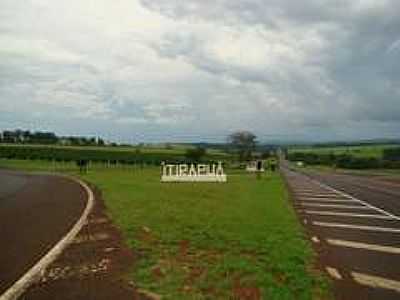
(368, 151)
(123, 155)
(208, 241)
(352, 157)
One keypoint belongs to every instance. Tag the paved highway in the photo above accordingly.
(36, 211)
(356, 233)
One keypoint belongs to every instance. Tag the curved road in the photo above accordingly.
(36, 211)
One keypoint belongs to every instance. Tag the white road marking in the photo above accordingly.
(315, 239)
(92, 238)
(305, 221)
(334, 273)
(376, 281)
(307, 191)
(361, 201)
(328, 200)
(98, 221)
(372, 247)
(361, 227)
(335, 205)
(344, 214)
(33, 274)
(318, 195)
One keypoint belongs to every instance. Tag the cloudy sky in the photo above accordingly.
(157, 70)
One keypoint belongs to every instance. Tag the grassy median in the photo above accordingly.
(212, 241)
(235, 240)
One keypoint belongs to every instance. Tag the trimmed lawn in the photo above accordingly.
(234, 240)
(212, 241)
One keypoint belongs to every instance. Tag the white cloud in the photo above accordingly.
(200, 68)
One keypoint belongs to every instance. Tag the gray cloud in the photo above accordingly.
(158, 70)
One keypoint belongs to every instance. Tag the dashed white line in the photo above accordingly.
(360, 227)
(358, 245)
(361, 201)
(344, 214)
(328, 200)
(335, 205)
(318, 195)
(334, 273)
(376, 281)
(315, 239)
(307, 191)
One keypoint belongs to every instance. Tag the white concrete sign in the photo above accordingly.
(192, 173)
(255, 166)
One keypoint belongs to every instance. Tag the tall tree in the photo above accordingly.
(244, 142)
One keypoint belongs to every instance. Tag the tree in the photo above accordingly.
(195, 154)
(244, 142)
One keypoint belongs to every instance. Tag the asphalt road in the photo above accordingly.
(36, 211)
(356, 234)
(385, 195)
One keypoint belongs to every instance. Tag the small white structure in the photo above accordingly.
(192, 173)
(255, 166)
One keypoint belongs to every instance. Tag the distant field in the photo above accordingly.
(114, 155)
(209, 241)
(357, 151)
(145, 149)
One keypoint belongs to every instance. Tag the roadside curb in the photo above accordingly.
(35, 272)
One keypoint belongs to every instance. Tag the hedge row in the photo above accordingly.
(392, 154)
(344, 161)
(97, 155)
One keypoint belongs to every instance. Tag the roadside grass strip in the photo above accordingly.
(344, 214)
(376, 281)
(210, 240)
(365, 246)
(359, 227)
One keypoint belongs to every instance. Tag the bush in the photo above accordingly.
(391, 154)
(346, 161)
(97, 155)
(195, 154)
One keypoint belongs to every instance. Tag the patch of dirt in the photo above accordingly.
(245, 292)
(92, 267)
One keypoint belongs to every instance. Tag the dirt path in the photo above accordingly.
(92, 267)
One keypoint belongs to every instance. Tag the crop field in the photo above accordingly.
(124, 155)
(208, 240)
(364, 151)
(172, 149)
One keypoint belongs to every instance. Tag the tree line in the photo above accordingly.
(19, 136)
(389, 160)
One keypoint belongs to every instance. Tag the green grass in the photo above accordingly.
(206, 240)
(375, 151)
(178, 149)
